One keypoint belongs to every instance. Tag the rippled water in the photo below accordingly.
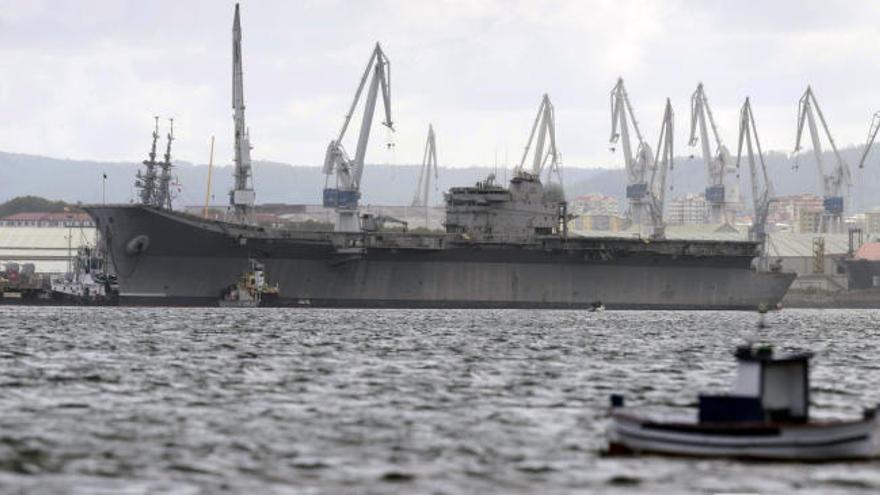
(120, 400)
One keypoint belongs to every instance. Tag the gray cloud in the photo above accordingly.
(82, 79)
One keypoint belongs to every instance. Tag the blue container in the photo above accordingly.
(833, 205)
(715, 194)
(636, 191)
(338, 198)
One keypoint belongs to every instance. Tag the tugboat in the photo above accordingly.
(766, 416)
(88, 283)
(251, 290)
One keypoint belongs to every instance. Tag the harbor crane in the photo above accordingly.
(429, 164)
(345, 194)
(544, 128)
(242, 196)
(834, 183)
(872, 135)
(664, 162)
(639, 164)
(720, 194)
(762, 187)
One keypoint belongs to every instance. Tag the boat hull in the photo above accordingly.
(826, 441)
(166, 258)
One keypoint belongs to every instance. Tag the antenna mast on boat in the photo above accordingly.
(242, 196)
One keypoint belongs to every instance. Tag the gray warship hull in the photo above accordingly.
(168, 258)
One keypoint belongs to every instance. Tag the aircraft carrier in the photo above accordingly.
(504, 246)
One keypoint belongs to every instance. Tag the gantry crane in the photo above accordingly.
(721, 191)
(834, 183)
(664, 162)
(345, 194)
(545, 128)
(872, 135)
(762, 187)
(429, 164)
(242, 196)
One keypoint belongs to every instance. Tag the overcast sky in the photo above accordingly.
(82, 79)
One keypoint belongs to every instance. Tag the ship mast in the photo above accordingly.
(163, 193)
(242, 196)
(146, 181)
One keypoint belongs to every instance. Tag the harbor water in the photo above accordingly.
(149, 400)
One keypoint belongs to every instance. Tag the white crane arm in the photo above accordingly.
(872, 135)
(542, 127)
(664, 161)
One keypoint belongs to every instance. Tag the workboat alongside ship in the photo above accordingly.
(503, 246)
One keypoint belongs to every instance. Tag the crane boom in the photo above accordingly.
(242, 196)
(872, 135)
(637, 164)
(346, 193)
(543, 127)
(834, 183)
(664, 160)
(762, 187)
(429, 164)
(719, 194)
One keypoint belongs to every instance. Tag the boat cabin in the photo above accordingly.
(768, 387)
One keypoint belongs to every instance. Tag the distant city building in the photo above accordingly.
(809, 220)
(685, 210)
(872, 222)
(594, 204)
(790, 210)
(28, 219)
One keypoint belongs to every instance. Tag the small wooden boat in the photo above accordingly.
(766, 416)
